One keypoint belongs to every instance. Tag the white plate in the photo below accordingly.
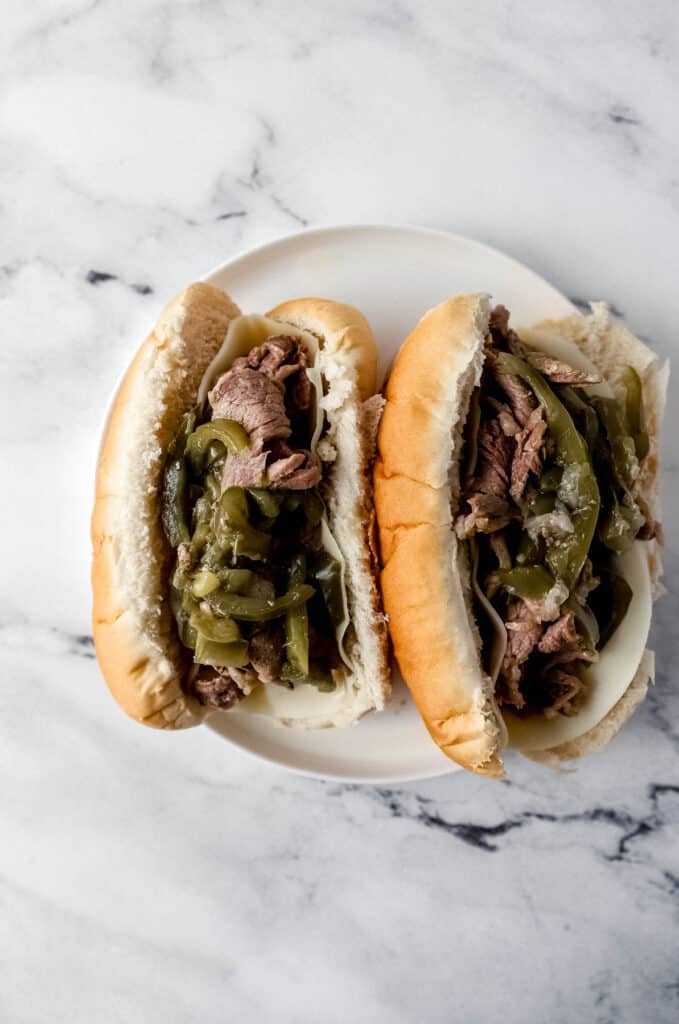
(393, 275)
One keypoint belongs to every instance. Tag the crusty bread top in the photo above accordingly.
(134, 633)
(425, 582)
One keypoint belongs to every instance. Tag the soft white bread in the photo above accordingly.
(134, 630)
(425, 579)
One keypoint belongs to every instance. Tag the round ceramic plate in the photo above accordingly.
(393, 275)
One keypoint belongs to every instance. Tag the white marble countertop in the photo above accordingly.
(150, 877)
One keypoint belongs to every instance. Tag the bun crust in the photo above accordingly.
(430, 619)
(134, 630)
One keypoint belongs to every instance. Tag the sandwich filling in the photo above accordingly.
(257, 580)
(548, 503)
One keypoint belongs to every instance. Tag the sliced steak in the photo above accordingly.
(215, 688)
(523, 636)
(293, 470)
(253, 400)
(527, 452)
(487, 493)
(559, 634)
(558, 371)
(565, 693)
(244, 469)
(267, 644)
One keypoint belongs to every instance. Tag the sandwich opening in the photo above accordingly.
(551, 513)
(257, 580)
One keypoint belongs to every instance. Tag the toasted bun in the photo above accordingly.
(134, 630)
(425, 579)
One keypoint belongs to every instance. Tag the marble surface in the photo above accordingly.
(148, 877)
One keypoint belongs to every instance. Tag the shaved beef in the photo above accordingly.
(266, 651)
(293, 470)
(558, 371)
(527, 452)
(499, 548)
(560, 634)
(521, 399)
(498, 323)
(245, 469)
(565, 693)
(253, 400)
(215, 688)
(488, 492)
(279, 357)
(504, 414)
(523, 635)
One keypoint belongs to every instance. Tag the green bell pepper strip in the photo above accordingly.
(223, 631)
(232, 655)
(566, 556)
(582, 412)
(204, 582)
(173, 502)
(230, 433)
(634, 410)
(531, 582)
(528, 551)
(256, 609)
(317, 676)
(232, 527)
(327, 573)
(622, 446)
(268, 502)
(297, 622)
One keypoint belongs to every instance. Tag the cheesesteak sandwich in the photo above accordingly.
(232, 558)
(516, 496)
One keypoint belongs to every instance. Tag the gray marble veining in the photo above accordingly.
(147, 877)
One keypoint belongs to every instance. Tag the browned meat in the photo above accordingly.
(244, 469)
(566, 692)
(559, 635)
(499, 548)
(266, 651)
(300, 391)
(558, 371)
(487, 514)
(527, 452)
(499, 322)
(523, 636)
(504, 414)
(253, 400)
(292, 470)
(520, 396)
(215, 688)
(487, 493)
(279, 357)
